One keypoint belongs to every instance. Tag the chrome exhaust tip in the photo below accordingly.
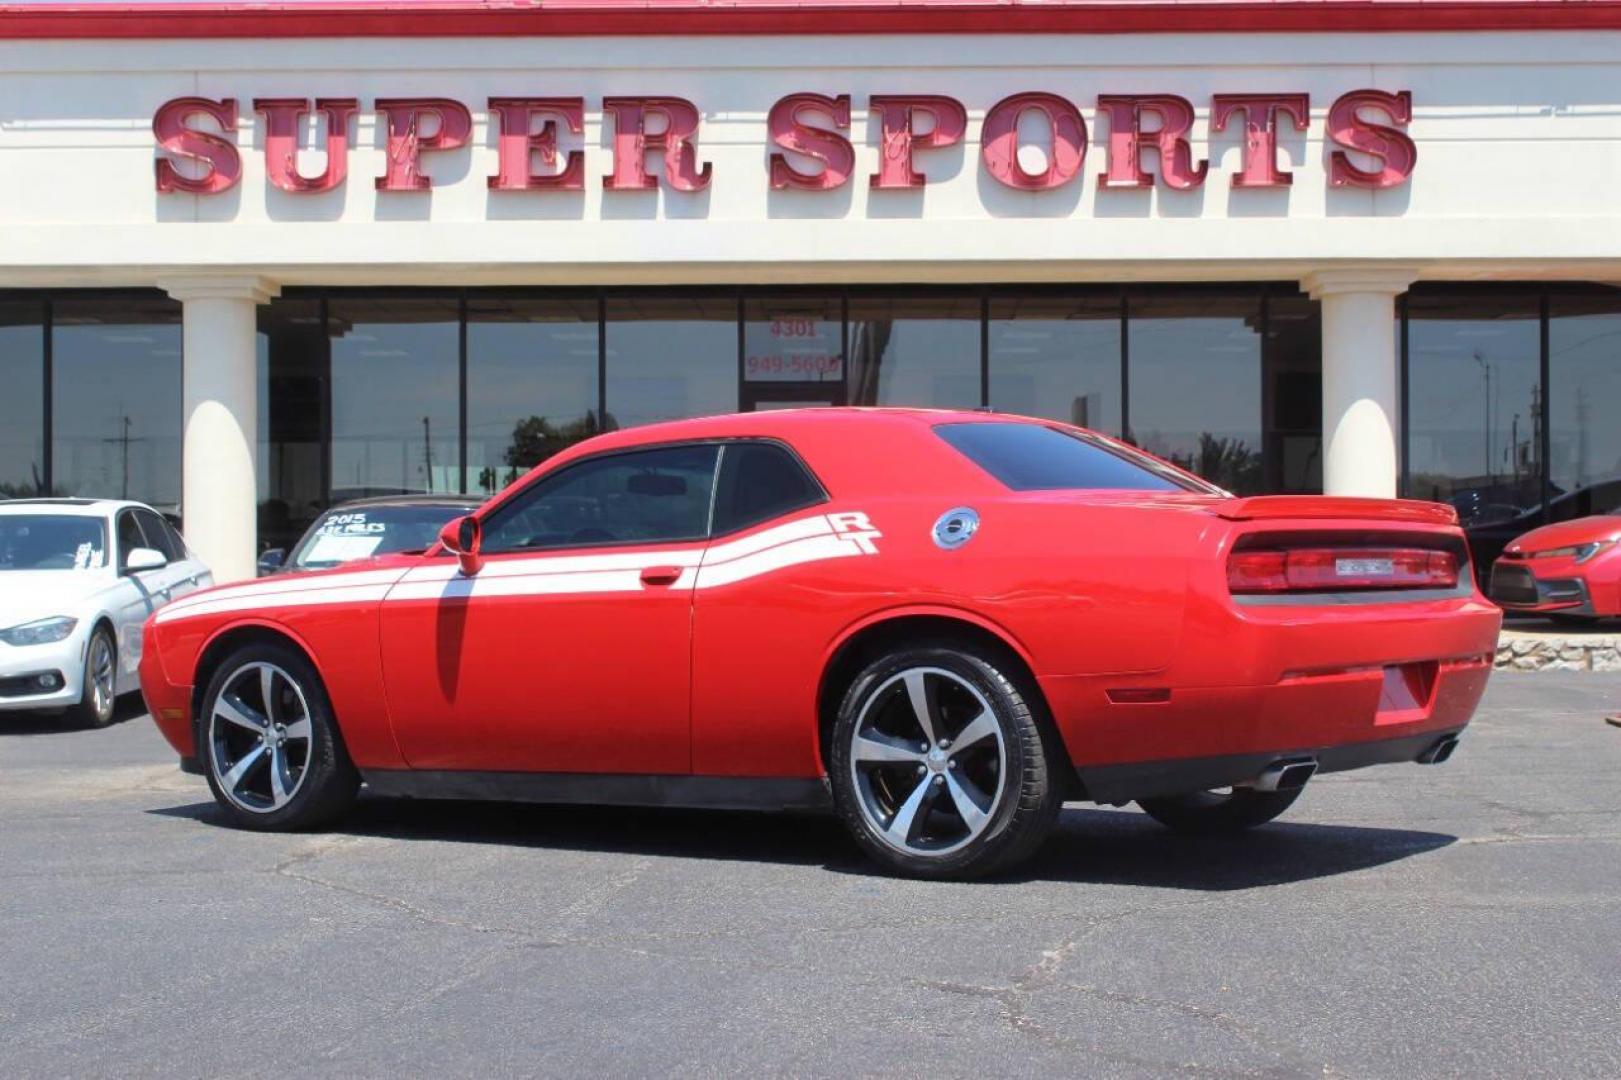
(1440, 751)
(1286, 775)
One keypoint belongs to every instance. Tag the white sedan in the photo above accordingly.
(78, 577)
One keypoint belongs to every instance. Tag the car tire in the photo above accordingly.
(98, 699)
(942, 766)
(269, 742)
(1213, 812)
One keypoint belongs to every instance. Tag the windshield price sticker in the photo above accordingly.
(1364, 567)
(350, 525)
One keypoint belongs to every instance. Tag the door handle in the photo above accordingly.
(661, 575)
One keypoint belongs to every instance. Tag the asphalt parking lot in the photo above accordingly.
(1461, 919)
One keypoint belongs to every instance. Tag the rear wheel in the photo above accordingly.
(1225, 810)
(97, 700)
(939, 767)
(270, 746)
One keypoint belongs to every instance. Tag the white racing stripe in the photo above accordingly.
(815, 538)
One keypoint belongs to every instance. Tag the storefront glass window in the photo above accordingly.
(1584, 402)
(394, 395)
(1195, 366)
(1292, 393)
(670, 357)
(115, 398)
(914, 351)
(292, 419)
(22, 405)
(793, 352)
(531, 384)
(1472, 374)
(1057, 357)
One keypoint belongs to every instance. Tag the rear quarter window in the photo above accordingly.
(1034, 457)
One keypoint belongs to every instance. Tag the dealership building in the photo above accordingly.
(256, 259)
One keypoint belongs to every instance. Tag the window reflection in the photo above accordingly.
(1473, 372)
(292, 419)
(1057, 357)
(116, 398)
(394, 394)
(22, 415)
(914, 351)
(1292, 393)
(793, 351)
(670, 357)
(1195, 361)
(531, 384)
(1584, 373)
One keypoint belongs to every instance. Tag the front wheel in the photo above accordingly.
(939, 766)
(98, 699)
(1227, 810)
(271, 749)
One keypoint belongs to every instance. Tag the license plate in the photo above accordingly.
(1365, 567)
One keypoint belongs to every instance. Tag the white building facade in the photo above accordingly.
(255, 261)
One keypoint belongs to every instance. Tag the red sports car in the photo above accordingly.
(1570, 572)
(939, 625)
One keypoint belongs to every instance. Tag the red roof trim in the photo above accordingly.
(552, 18)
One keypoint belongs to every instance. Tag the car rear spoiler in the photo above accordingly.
(1281, 507)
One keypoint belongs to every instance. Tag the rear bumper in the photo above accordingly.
(1272, 681)
(1150, 779)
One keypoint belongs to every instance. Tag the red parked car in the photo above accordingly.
(939, 625)
(1570, 572)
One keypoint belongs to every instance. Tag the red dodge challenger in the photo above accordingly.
(939, 625)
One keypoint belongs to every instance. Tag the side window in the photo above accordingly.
(179, 542)
(641, 497)
(760, 481)
(129, 536)
(157, 534)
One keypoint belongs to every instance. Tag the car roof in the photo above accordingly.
(407, 500)
(70, 506)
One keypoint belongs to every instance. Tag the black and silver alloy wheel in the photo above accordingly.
(272, 751)
(927, 760)
(940, 762)
(259, 731)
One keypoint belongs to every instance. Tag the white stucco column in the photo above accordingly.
(1360, 420)
(219, 492)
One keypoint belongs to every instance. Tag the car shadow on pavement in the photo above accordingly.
(127, 707)
(1108, 847)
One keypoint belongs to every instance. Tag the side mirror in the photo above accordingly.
(140, 559)
(271, 560)
(462, 536)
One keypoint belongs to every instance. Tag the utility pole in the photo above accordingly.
(427, 450)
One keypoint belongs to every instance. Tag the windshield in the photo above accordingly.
(52, 542)
(1034, 457)
(346, 535)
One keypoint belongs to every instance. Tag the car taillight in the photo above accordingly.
(1335, 569)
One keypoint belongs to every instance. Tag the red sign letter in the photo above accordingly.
(833, 150)
(223, 165)
(1261, 132)
(1394, 147)
(999, 141)
(282, 119)
(1127, 141)
(896, 117)
(407, 144)
(517, 145)
(632, 141)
